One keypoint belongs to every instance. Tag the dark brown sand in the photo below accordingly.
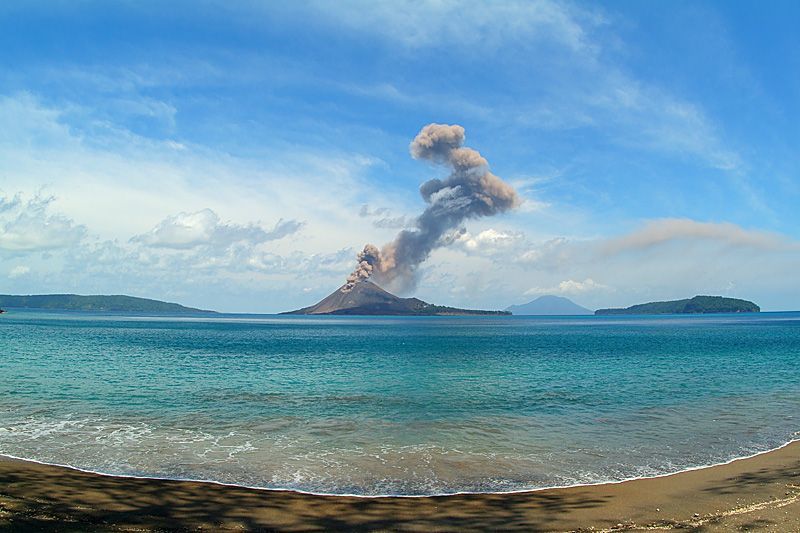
(760, 493)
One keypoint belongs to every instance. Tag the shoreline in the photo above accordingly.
(379, 496)
(762, 491)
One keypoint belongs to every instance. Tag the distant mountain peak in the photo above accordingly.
(549, 304)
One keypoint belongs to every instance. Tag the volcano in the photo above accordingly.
(366, 298)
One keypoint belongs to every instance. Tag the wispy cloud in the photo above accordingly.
(655, 236)
(659, 232)
(204, 228)
(417, 25)
(596, 90)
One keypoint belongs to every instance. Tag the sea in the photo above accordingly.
(412, 406)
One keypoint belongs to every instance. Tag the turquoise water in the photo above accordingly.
(397, 405)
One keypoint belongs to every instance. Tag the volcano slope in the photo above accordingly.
(366, 298)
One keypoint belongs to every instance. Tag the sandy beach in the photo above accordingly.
(758, 493)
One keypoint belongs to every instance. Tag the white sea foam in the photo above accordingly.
(300, 478)
(147, 450)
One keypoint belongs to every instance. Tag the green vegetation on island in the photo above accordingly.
(443, 310)
(696, 305)
(74, 302)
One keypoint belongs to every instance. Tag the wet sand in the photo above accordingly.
(759, 493)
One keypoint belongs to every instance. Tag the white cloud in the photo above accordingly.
(632, 112)
(204, 228)
(184, 230)
(570, 287)
(117, 183)
(29, 226)
(203, 275)
(27, 123)
(488, 241)
(574, 287)
(532, 205)
(551, 254)
(19, 271)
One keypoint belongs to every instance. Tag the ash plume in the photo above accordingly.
(470, 191)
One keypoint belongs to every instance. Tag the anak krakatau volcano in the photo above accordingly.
(366, 298)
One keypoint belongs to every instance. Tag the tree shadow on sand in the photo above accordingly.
(54, 499)
(765, 476)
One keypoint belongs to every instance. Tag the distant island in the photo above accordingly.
(549, 305)
(696, 305)
(74, 302)
(366, 298)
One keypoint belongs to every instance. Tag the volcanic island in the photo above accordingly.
(367, 298)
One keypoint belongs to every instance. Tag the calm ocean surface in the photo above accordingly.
(397, 405)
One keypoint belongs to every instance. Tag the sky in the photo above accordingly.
(238, 155)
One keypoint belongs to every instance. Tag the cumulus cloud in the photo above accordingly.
(570, 287)
(205, 228)
(19, 271)
(30, 226)
(488, 241)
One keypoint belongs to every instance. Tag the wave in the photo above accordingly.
(391, 495)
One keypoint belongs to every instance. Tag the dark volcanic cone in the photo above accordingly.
(366, 298)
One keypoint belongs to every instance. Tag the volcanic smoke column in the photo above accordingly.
(470, 191)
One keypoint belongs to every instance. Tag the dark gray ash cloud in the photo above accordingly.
(470, 191)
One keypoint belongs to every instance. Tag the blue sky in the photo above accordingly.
(238, 155)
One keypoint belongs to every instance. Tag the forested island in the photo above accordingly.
(74, 302)
(696, 305)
